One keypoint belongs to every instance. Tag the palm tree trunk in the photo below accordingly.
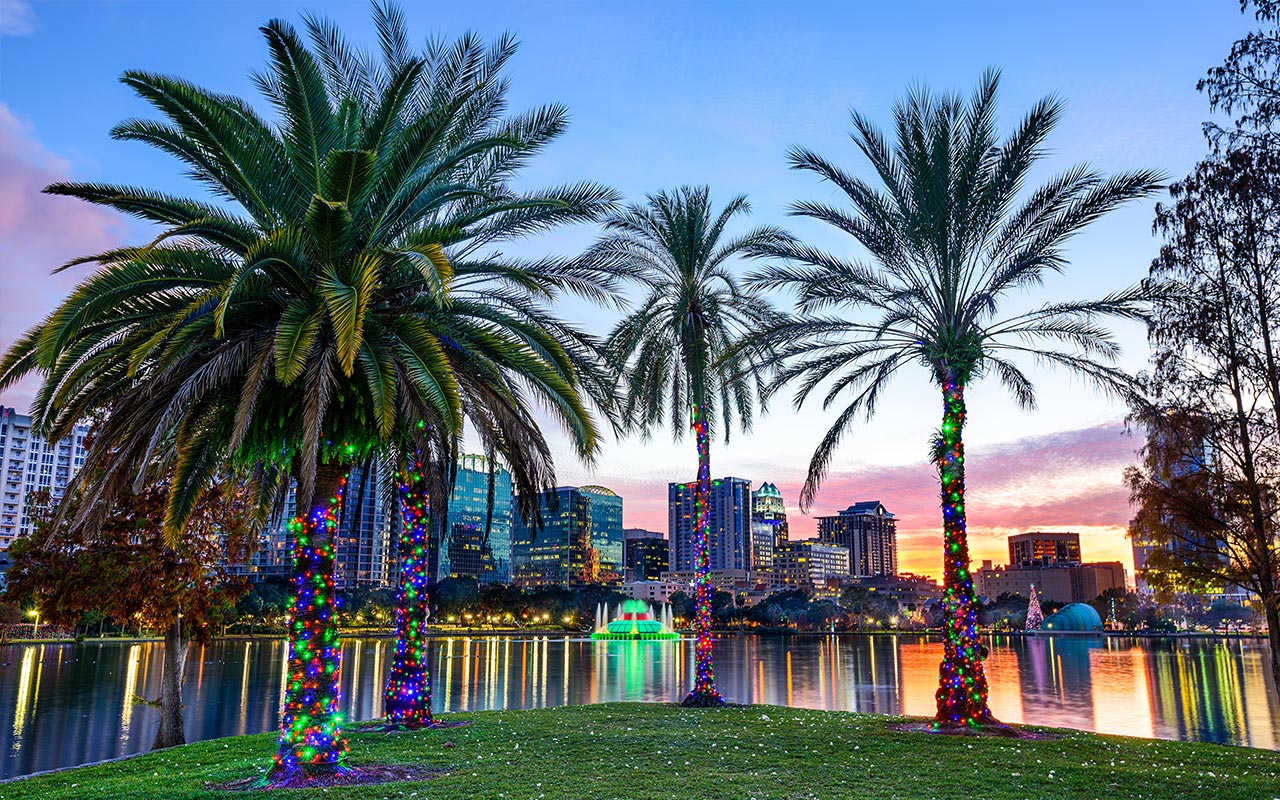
(311, 741)
(170, 733)
(962, 689)
(408, 692)
(704, 686)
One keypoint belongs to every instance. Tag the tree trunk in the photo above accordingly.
(704, 686)
(170, 733)
(1272, 613)
(962, 683)
(408, 692)
(311, 741)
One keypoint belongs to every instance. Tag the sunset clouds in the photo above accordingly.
(1071, 480)
(39, 233)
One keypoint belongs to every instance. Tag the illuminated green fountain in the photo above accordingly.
(634, 620)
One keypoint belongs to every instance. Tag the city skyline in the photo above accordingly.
(808, 379)
(54, 126)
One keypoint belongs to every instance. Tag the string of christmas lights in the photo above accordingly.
(408, 692)
(1035, 616)
(311, 740)
(704, 691)
(962, 682)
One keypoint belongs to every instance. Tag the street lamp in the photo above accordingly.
(35, 630)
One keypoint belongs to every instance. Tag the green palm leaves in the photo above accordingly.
(683, 342)
(348, 288)
(949, 233)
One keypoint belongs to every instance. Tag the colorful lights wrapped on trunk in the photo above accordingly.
(311, 741)
(408, 693)
(962, 685)
(704, 691)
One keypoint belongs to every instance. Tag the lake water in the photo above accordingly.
(62, 705)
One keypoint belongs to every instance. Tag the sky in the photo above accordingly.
(665, 94)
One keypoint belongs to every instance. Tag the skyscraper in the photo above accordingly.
(565, 552)
(364, 552)
(729, 539)
(645, 555)
(870, 534)
(467, 551)
(811, 563)
(606, 530)
(30, 463)
(768, 525)
(1043, 549)
(363, 544)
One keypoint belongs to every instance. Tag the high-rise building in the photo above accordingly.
(1055, 583)
(645, 555)
(729, 541)
(768, 525)
(30, 463)
(1186, 545)
(564, 552)
(606, 531)
(1044, 549)
(810, 563)
(870, 534)
(364, 553)
(477, 535)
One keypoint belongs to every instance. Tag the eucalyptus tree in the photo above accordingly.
(948, 234)
(300, 327)
(681, 346)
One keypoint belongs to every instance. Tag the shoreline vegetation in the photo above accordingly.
(387, 633)
(744, 751)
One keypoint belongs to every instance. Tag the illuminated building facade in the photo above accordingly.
(30, 463)
(471, 551)
(569, 551)
(870, 535)
(768, 525)
(729, 540)
(1043, 549)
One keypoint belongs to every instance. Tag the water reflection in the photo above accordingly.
(69, 704)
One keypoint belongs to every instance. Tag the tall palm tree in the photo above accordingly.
(491, 312)
(681, 344)
(300, 330)
(949, 234)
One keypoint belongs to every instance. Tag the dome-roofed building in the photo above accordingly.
(1074, 618)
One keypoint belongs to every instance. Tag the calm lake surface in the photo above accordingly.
(62, 705)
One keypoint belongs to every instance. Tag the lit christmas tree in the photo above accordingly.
(1035, 617)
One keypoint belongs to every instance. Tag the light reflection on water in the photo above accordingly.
(70, 704)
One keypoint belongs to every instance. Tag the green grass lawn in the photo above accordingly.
(664, 752)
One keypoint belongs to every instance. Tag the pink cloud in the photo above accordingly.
(1071, 480)
(39, 233)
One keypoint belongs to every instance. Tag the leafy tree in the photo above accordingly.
(949, 235)
(130, 570)
(455, 595)
(1247, 84)
(1207, 487)
(1006, 612)
(868, 605)
(681, 345)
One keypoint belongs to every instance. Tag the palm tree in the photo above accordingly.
(491, 312)
(301, 331)
(948, 235)
(681, 344)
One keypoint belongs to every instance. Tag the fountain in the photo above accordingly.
(634, 620)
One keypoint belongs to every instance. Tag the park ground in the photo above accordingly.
(664, 752)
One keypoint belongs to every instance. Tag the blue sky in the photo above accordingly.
(663, 94)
